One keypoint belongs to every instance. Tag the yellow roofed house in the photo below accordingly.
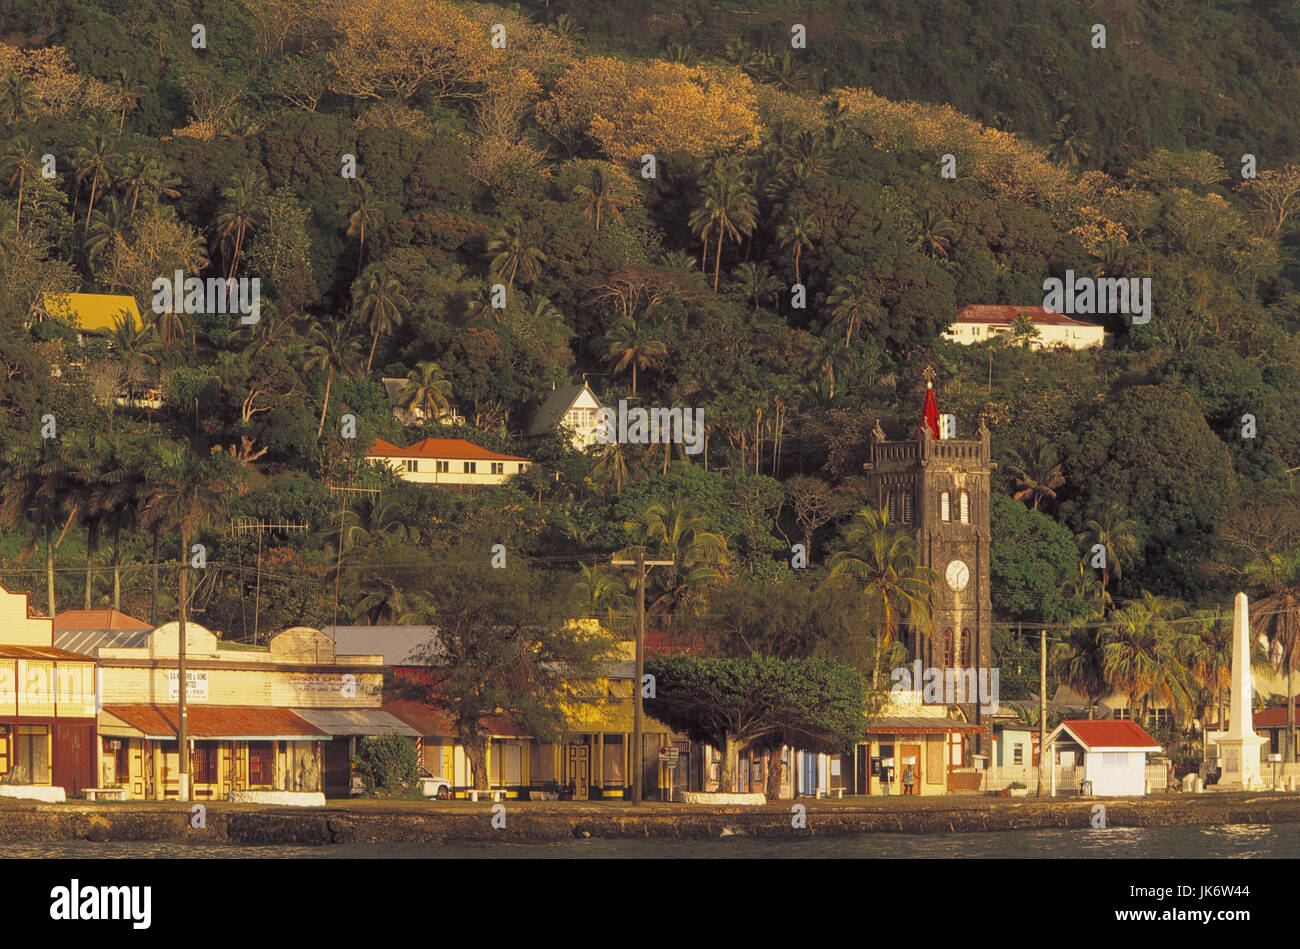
(94, 312)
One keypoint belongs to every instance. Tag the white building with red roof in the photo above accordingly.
(448, 462)
(981, 322)
(1114, 754)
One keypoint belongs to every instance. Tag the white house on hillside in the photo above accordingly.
(448, 462)
(575, 407)
(980, 322)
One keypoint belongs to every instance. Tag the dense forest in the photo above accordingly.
(649, 181)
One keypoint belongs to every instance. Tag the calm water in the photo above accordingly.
(1237, 840)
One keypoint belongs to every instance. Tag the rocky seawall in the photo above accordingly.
(435, 822)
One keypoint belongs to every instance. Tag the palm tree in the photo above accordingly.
(612, 465)
(240, 202)
(116, 498)
(598, 196)
(18, 99)
(512, 252)
(151, 176)
(1144, 650)
(1080, 662)
(127, 92)
(795, 234)
(380, 303)
(364, 215)
(836, 115)
(753, 280)
(35, 493)
(1209, 660)
(933, 234)
(1277, 617)
(333, 348)
(1067, 147)
(632, 344)
(18, 162)
(677, 260)
(134, 345)
(886, 562)
(109, 225)
(427, 391)
(1114, 530)
(1040, 475)
(97, 161)
(728, 209)
(852, 303)
(676, 531)
(604, 590)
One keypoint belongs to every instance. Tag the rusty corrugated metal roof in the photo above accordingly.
(216, 722)
(9, 651)
(97, 620)
(433, 722)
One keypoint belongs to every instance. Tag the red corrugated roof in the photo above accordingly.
(97, 619)
(454, 448)
(430, 721)
(1006, 315)
(1110, 733)
(1275, 717)
(659, 643)
(216, 721)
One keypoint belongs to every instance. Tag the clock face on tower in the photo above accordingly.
(957, 575)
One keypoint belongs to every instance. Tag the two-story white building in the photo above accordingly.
(575, 408)
(981, 322)
(448, 462)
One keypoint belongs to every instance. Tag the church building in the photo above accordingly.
(937, 486)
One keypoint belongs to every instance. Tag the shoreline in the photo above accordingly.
(439, 822)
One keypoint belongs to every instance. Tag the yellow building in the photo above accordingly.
(281, 717)
(448, 463)
(592, 758)
(93, 312)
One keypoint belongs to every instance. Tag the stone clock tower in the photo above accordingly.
(938, 487)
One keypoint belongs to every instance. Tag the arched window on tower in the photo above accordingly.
(893, 507)
(907, 507)
(965, 648)
(945, 507)
(965, 507)
(947, 648)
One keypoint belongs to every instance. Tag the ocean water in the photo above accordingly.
(1239, 841)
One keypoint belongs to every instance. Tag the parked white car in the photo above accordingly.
(433, 786)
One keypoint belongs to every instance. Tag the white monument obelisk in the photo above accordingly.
(1239, 745)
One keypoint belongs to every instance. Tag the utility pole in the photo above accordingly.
(247, 525)
(1042, 706)
(182, 745)
(638, 753)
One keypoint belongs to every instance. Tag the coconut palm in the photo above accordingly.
(1209, 660)
(151, 177)
(379, 303)
(933, 233)
(18, 163)
(240, 203)
(1144, 650)
(676, 531)
(134, 345)
(853, 304)
(1067, 145)
(109, 226)
(127, 92)
(364, 215)
(35, 493)
(598, 196)
(1276, 616)
(1115, 531)
(18, 99)
(333, 349)
(1080, 661)
(754, 281)
(426, 391)
(885, 562)
(631, 344)
(512, 252)
(97, 161)
(1038, 476)
(604, 590)
(728, 209)
(612, 464)
(795, 234)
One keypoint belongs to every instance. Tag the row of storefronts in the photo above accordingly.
(89, 701)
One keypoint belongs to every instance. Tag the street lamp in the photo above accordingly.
(637, 751)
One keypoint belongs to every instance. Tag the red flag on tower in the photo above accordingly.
(930, 418)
